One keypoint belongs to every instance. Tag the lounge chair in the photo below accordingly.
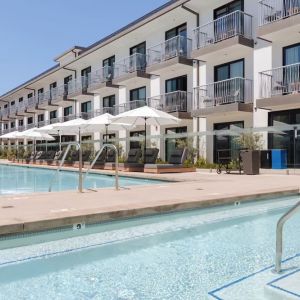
(48, 157)
(174, 165)
(86, 154)
(100, 162)
(132, 163)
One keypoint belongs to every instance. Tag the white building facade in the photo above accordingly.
(211, 63)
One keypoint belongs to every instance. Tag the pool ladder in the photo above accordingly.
(279, 232)
(117, 187)
(54, 178)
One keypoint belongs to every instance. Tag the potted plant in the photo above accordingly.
(251, 144)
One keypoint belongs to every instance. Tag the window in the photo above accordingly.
(68, 111)
(53, 114)
(228, 8)
(5, 105)
(85, 72)
(21, 100)
(5, 126)
(53, 89)
(40, 93)
(12, 124)
(173, 143)
(138, 94)
(176, 84)
(12, 103)
(109, 101)
(41, 118)
(52, 86)
(109, 62)
(177, 31)
(21, 123)
(86, 107)
(229, 70)
(68, 79)
(226, 145)
(29, 96)
(140, 48)
(30, 120)
(109, 136)
(136, 144)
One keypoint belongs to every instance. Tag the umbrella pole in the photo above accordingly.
(59, 140)
(106, 132)
(145, 146)
(80, 164)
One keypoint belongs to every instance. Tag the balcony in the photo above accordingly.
(5, 114)
(31, 105)
(129, 106)
(278, 15)
(130, 67)
(174, 51)
(30, 126)
(280, 88)
(233, 30)
(227, 96)
(77, 89)
(178, 102)
(55, 120)
(100, 79)
(21, 108)
(42, 123)
(13, 111)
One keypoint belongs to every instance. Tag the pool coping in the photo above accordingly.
(128, 213)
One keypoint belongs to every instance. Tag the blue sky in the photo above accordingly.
(33, 32)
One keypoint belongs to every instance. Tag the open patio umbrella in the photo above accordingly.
(103, 122)
(146, 116)
(10, 136)
(51, 130)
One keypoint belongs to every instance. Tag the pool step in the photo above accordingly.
(286, 287)
(264, 284)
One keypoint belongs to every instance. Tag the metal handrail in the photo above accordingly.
(279, 231)
(116, 162)
(54, 178)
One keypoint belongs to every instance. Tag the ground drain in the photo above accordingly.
(9, 206)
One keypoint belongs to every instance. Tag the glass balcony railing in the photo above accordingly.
(237, 23)
(273, 10)
(179, 46)
(98, 77)
(280, 81)
(133, 63)
(178, 101)
(234, 90)
(129, 106)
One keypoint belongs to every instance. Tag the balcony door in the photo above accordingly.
(108, 104)
(176, 42)
(137, 60)
(229, 83)
(137, 97)
(225, 145)
(85, 74)
(175, 99)
(291, 72)
(108, 65)
(228, 24)
(67, 80)
(53, 90)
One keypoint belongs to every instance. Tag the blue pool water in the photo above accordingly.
(187, 255)
(20, 180)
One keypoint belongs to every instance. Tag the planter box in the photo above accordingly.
(251, 161)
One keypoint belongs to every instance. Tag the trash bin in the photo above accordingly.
(279, 159)
(251, 161)
(266, 159)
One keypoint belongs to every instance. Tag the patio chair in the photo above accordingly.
(174, 165)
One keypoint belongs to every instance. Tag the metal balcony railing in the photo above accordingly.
(273, 10)
(178, 101)
(21, 107)
(98, 77)
(174, 47)
(234, 90)
(21, 128)
(129, 106)
(133, 63)
(42, 123)
(31, 125)
(280, 81)
(109, 110)
(237, 23)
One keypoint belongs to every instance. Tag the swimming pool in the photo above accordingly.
(24, 180)
(200, 254)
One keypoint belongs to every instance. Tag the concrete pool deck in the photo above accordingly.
(41, 211)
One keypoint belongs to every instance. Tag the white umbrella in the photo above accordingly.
(102, 122)
(32, 134)
(146, 116)
(11, 135)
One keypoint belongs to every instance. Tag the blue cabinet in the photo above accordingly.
(279, 159)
